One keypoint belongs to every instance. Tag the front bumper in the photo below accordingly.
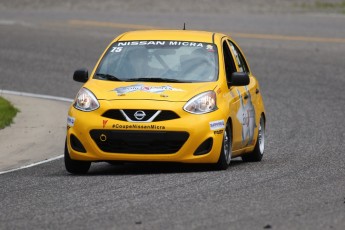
(189, 139)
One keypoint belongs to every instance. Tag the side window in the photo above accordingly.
(242, 65)
(228, 61)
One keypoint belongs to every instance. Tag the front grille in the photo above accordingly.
(118, 114)
(130, 113)
(114, 114)
(166, 115)
(140, 142)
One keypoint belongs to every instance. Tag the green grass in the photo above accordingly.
(325, 6)
(328, 5)
(7, 113)
(340, 6)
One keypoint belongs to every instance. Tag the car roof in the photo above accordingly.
(176, 35)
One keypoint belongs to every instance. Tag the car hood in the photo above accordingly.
(108, 90)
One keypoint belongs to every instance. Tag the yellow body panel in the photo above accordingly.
(229, 102)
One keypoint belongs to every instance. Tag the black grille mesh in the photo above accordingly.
(140, 142)
(117, 115)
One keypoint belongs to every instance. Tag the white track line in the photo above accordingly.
(35, 96)
(42, 96)
(32, 165)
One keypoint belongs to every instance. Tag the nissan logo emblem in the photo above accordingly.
(139, 115)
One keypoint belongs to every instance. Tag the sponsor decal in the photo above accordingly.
(215, 125)
(246, 116)
(232, 94)
(116, 49)
(136, 126)
(219, 91)
(70, 121)
(209, 48)
(144, 88)
(141, 43)
(104, 123)
(218, 131)
(176, 43)
(158, 43)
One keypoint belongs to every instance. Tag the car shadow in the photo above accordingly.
(139, 168)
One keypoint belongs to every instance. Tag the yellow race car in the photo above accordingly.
(166, 96)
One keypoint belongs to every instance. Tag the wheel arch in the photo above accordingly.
(264, 116)
(231, 127)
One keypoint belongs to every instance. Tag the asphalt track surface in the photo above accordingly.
(300, 184)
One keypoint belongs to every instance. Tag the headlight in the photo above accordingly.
(202, 103)
(85, 100)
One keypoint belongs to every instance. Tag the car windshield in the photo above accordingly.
(159, 61)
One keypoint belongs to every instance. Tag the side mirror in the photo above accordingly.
(239, 79)
(81, 75)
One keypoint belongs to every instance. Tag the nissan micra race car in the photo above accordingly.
(166, 96)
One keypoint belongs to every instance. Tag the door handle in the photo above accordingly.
(257, 91)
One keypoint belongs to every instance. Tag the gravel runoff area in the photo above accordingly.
(36, 126)
(193, 6)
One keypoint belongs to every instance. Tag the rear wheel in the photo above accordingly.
(225, 153)
(258, 152)
(75, 166)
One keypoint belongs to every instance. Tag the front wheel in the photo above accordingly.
(225, 153)
(75, 166)
(258, 152)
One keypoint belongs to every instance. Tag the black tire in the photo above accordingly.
(225, 153)
(115, 163)
(75, 166)
(258, 151)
